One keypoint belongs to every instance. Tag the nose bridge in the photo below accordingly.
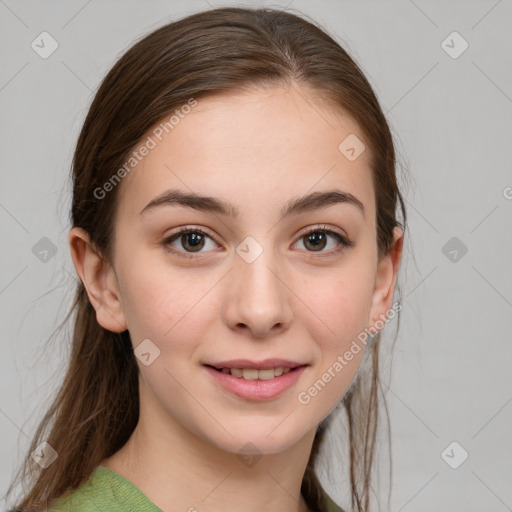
(259, 300)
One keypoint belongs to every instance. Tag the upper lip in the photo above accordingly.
(260, 365)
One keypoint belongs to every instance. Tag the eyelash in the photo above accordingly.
(344, 243)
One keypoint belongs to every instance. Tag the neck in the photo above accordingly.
(178, 470)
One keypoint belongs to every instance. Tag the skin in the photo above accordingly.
(256, 150)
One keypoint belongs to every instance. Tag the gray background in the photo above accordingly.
(450, 378)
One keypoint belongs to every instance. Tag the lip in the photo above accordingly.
(256, 389)
(266, 364)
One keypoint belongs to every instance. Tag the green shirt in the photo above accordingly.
(108, 491)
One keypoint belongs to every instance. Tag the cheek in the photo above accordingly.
(160, 304)
(339, 310)
(338, 315)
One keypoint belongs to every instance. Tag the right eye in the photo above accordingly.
(192, 240)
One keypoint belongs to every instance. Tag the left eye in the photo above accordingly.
(315, 240)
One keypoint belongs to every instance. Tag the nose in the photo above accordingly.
(258, 297)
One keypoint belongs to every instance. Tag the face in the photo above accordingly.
(259, 273)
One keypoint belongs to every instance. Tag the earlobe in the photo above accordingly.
(99, 281)
(385, 281)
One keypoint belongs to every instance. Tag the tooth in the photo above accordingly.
(254, 373)
(266, 374)
(250, 373)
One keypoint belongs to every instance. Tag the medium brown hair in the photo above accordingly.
(217, 51)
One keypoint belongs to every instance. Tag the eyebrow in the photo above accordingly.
(307, 203)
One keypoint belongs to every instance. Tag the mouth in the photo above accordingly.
(256, 384)
(255, 373)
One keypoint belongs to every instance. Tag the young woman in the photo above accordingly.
(235, 232)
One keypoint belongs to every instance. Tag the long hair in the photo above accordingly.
(218, 51)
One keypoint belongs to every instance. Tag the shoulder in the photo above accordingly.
(85, 498)
(104, 490)
(331, 506)
(79, 500)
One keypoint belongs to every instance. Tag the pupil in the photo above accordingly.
(316, 239)
(193, 240)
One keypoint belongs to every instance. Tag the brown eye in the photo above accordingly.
(188, 241)
(317, 239)
(192, 241)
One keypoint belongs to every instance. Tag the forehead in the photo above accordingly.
(253, 148)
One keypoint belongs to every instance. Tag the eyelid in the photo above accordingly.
(323, 227)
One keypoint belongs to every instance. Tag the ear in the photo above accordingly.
(99, 280)
(385, 280)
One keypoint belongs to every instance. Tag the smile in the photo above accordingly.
(255, 384)
(254, 373)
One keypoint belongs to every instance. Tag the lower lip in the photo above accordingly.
(257, 389)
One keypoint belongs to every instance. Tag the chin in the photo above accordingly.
(260, 440)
